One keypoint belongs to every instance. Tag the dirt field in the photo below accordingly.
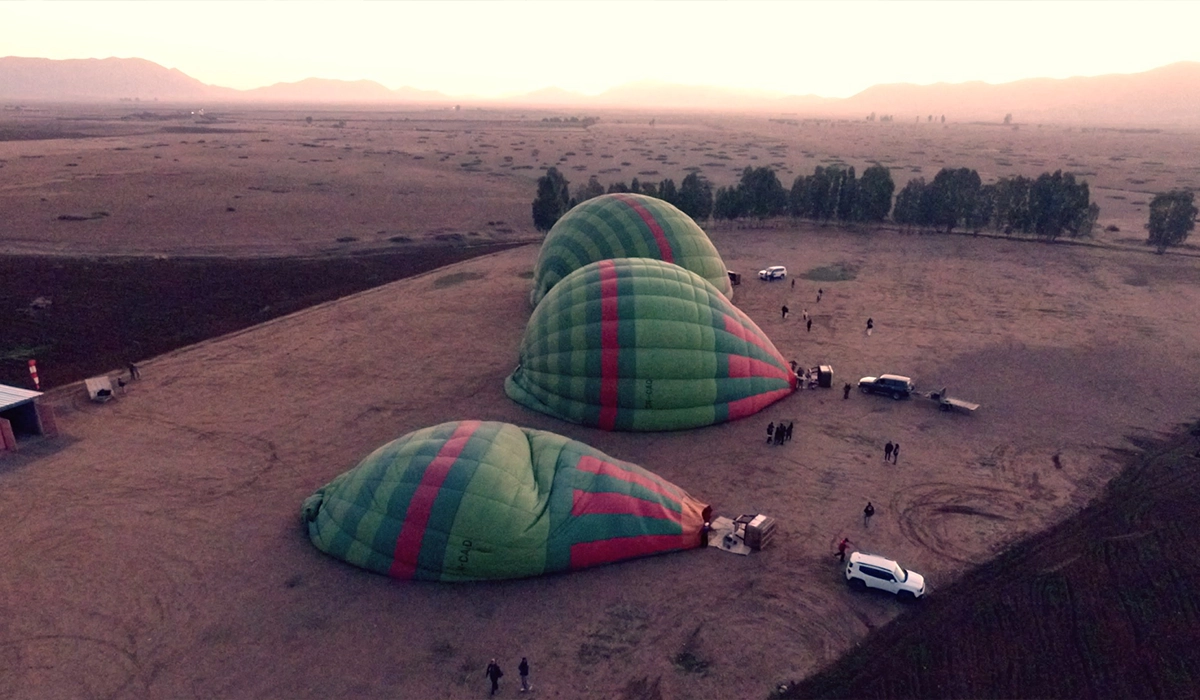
(155, 549)
(1102, 606)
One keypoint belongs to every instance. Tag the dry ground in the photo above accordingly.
(267, 182)
(155, 550)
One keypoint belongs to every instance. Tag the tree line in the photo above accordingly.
(1049, 206)
(693, 196)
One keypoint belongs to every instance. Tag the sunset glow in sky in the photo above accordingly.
(490, 49)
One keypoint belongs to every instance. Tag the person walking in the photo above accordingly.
(788, 434)
(785, 311)
(842, 547)
(895, 453)
(870, 325)
(808, 325)
(887, 451)
(770, 432)
(819, 293)
(134, 372)
(867, 513)
(494, 674)
(846, 391)
(793, 283)
(523, 669)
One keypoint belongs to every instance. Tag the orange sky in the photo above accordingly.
(490, 49)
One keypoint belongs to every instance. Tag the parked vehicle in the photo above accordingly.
(892, 385)
(775, 272)
(865, 571)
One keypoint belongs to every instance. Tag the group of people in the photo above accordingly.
(779, 434)
(494, 674)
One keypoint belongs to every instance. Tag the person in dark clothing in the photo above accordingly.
(793, 284)
(867, 513)
(887, 451)
(870, 325)
(494, 674)
(523, 669)
(846, 391)
(819, 293)
(895, 453)
(842, 547)
(770, 432)
(785, 311)
(780, 433)
(788, 435)
(808, 325)
(134, 373)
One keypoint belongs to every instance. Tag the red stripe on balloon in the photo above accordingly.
(737, 327)
(741, 366)
(660, 236)
(595, 503)
(585, 554)
(753, 404)
(590, 464)
(609, 345)
(420, 507)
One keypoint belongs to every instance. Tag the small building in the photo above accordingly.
(22, 416)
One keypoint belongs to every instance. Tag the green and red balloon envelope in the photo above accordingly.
(473, 500)
(645, 345)
(625, 226)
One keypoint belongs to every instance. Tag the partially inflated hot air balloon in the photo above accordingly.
(474, 500)
(641, 344)
(625, 226)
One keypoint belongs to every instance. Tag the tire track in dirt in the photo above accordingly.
(942, 518)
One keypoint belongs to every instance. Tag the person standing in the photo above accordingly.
(887, 451)
(895, 453)
(870, 325)
(134, 372)
(785, 311)
(867, 513)
(523, 669)
(819, 293)
(793, 283)
(770, 432)
(808, 325)
(842, 547)
(788, 435)
(846, 391)
(494, 674)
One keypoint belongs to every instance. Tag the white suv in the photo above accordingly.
(775, 272)
(870, 571)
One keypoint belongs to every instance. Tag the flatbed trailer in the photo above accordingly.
(947, 403)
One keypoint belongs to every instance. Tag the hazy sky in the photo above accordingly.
(500, 47)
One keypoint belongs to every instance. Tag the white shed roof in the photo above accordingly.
(11, 396)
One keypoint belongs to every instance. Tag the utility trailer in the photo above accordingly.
(947, 403)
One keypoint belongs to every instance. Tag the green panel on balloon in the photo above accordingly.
(645, 345)
(474, 500)
(625, 226)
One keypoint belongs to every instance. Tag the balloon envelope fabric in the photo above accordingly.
(626, 226)
(473, 500)
(643, 345)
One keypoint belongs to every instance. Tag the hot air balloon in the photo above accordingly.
(642, 344)
(473, 500)
(625, 226)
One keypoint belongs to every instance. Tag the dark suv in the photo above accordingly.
(892, 385)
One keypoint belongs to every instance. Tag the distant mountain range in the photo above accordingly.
(1164, 96)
